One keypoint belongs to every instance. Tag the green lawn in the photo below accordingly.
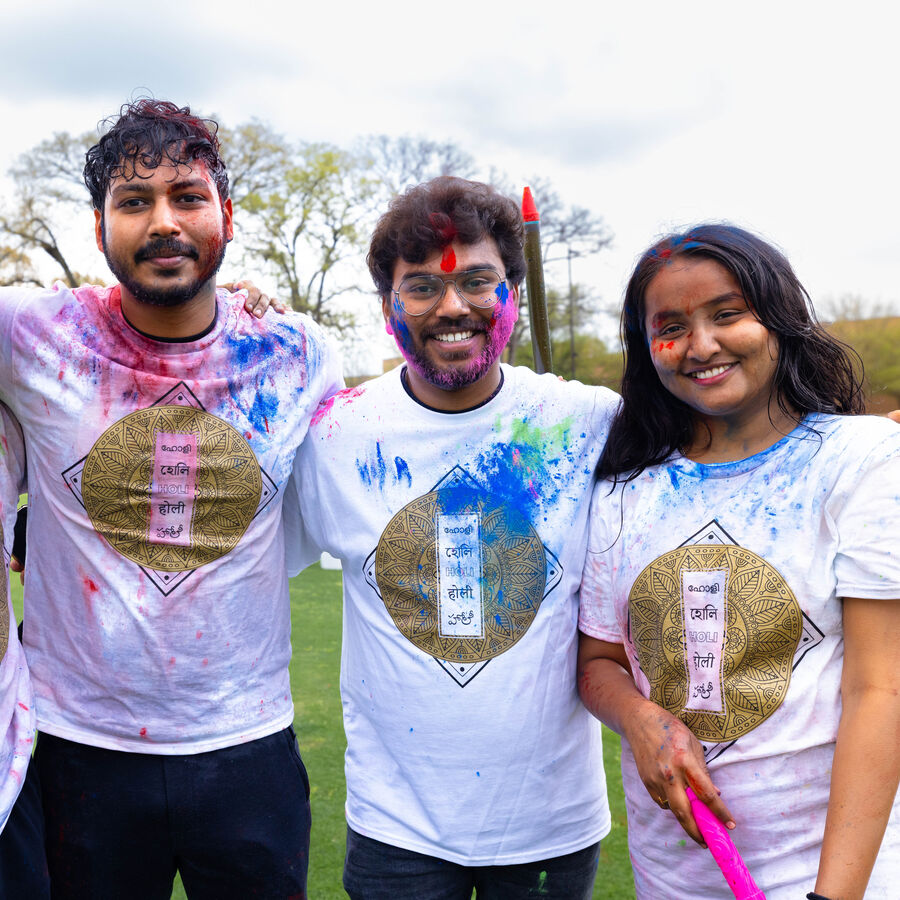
(315, 673)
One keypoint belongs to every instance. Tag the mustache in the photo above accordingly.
(165, 247)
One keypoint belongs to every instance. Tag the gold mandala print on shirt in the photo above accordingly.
(762, 628)
(506, 564)
(171, 487)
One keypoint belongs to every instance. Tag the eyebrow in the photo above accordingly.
(721, 298)
(476, 268)
(140, 186)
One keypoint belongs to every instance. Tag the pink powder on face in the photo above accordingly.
(448, 260)
(497, 333)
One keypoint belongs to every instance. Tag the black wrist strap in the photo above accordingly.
(812, 895)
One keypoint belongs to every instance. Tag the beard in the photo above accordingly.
(161, 295)
(449, 377)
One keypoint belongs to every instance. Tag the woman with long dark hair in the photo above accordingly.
(739, 612)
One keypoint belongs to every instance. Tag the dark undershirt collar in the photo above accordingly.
(176, 340)
(449, 412)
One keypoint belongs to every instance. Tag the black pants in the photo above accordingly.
(23, 862)
(234, 822)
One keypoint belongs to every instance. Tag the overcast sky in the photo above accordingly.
(780, 117)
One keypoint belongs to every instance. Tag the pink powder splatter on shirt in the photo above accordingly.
(346, 396)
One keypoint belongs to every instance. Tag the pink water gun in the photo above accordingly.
(724, 852)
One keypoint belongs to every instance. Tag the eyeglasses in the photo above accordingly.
(419, 294)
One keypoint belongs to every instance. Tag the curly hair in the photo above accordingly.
(427, 217)
(815, 372)
(152, 133)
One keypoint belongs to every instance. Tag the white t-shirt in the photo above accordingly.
(723, 582)
(16, 699)
(157, 607)
(462, 538)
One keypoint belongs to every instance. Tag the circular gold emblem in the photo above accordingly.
(511, 580)
(171, 487)
(763, 625)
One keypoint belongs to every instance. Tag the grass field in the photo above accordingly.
(315, 672)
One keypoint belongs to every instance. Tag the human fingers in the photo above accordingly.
(258, 303)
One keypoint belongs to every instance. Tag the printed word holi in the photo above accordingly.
(460, 612)
(174, 473)
(703, 597)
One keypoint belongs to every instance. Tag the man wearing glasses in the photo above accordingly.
(455, 491)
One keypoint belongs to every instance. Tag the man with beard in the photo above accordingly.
(161, 425)
(455, 491)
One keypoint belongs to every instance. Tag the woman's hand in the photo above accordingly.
(669, 759)
(668, 756)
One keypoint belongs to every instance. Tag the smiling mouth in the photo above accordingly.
(453, 337)
(710, 373)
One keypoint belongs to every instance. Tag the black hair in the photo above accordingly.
(151, 133)
(429, 216)
(815, 372)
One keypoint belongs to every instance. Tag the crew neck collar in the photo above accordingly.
(404, 380)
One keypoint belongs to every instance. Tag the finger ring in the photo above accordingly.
(663, 804)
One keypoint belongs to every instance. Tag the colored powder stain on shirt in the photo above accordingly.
(518, 472)
(402, 471)
(673, 477)
(373, 470)
(264, 407)
(542, 884)
(345, 398)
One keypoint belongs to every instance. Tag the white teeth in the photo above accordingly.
(711, 373)
(454, 336)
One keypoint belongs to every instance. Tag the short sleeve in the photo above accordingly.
(12, 471)
(866, 516)
(597, 614)
(10, 300)
(299, 513)
(332, 369)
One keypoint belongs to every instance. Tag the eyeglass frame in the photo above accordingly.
(447, 280)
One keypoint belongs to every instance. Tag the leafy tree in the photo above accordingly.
(257, 158)
(876, 341)
(311, 221)
(595, 363)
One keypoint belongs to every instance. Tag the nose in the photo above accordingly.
(164, 220)
(703, 342)
(451, 305)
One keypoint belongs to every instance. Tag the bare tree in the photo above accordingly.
(395, 163)
(46, 183)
